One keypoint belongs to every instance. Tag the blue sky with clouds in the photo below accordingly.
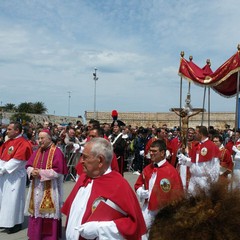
(51, 47)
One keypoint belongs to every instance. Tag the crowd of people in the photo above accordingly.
(171, 177)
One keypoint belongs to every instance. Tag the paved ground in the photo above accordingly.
(22, 235)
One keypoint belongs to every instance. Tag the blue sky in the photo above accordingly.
(51, 47)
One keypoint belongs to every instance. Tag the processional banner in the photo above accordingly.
(223, 80)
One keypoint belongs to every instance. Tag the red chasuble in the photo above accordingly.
(225, 159)
(167, 187)
(18, 148)
(114, 187)
(207, 151)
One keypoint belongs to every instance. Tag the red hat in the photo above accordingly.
(114, 113)
(46, 131)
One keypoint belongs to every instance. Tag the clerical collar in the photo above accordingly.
(45, 149)
(159, 164)
(18, 136)
(221, 147)
(108, 171)
(155, 165)
(203, 141)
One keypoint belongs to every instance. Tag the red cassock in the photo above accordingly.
(174, 145)
(225, 159)
(229, 146)
(192, 149)
(17, 148)
(114, 187)
(167, 187)
(207, 151)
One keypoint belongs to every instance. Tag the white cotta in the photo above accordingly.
(12, 192)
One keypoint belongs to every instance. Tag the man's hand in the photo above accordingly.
(95, 229)
(2, 171)
(35, 173)
(89, 230)
(183, 160)
(142, 193)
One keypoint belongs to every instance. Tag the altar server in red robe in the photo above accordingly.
(13, 155)
(226, 162)
(100, 186)
(205, 165)
(159, 184)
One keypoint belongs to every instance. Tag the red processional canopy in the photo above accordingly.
(224, 80)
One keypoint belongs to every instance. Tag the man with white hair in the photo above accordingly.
(102, 205)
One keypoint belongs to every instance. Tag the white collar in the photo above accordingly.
(203, 141)
(161, 162)
(108, 171)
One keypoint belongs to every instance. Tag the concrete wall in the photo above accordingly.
(217, 119)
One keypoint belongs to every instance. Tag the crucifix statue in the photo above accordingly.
(185, 113)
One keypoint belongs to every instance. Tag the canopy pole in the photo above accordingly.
(180, 98)
(204, 96)
(237, 97)
(237, 103)
(209, 105)
(189, 87)
(180, 101)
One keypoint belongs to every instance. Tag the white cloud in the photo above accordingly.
(51, 47)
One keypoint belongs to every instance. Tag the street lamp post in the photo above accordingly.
(95, 78)
(69, 97)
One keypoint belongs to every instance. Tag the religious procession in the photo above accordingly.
(187, 180)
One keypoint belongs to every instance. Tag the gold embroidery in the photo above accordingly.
(47, 204)
(165, 185)
(204, 151)
(10, 150)
(31, 203)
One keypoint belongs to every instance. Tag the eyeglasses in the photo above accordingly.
(155, 151)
